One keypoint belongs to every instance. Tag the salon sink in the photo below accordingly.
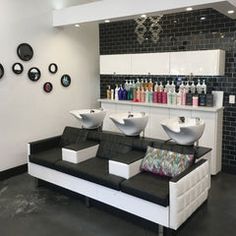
(183, 130)
(130, 124)
(89, 118)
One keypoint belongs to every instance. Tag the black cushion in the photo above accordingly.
(141, 143)
(47, 158)
(94, 170)
(148, 187)
(73, 135)
(81, 145)
(94, 135)
(109, 149)
(129, 157)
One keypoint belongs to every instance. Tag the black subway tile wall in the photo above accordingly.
(182, 32)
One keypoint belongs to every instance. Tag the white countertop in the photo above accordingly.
(158, 105)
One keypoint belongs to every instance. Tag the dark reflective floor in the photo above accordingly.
(29, 211)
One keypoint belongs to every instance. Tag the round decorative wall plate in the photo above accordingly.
(1, 71)
(17, 68)
(65, 80)
(53, 68)
(34, 74)
(47, 87)
(25, 52)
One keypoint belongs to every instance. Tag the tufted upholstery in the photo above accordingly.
(188, 193)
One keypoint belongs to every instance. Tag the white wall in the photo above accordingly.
(26, 112)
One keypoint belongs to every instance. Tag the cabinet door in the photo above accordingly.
(208, 138)
(115, 64)
(205, 62)
(157, 116)
(151, 63)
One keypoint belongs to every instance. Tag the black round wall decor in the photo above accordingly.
(47, 87)
(1, 71)
(17, 68)
(53, 68)
(65, 80)
(25, 52)
(34, 74)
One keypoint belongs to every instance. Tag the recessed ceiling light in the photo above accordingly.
(189, 9)
(231, 12)
(203, 18)
(107, 21)
(77, 25)
(144, 16)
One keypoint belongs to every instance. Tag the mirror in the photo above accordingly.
(25, 52)
(53, 68)
(47, 87)
(17, 68)
(34, 74)
(65, 80)
(1, 71)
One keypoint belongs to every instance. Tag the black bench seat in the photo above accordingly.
(94, 170)
(148, 187)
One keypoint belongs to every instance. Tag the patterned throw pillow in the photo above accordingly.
(165, 163)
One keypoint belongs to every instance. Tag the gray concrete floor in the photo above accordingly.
(26, 210)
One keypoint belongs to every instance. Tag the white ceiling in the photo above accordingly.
(99, 10)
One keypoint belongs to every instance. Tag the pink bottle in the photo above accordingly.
(164, 96)
(183, 97)
(142, 95)
(159, 96)
(138, 95)
(154, 98)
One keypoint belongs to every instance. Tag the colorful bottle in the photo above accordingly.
(134, 91)
(183, 97)
(142, 95)
(168, 86)
(164, 96)
(146, 95)
(179, 98)
(204, 87)
(202, 99)
(108, 92)
(120, 93)
(112, 94)
(150, 85)
(138, 95)
(193, 88)
(199, 87)
(145, 84)
(141, 84)
(150, 95)
(116, 93)
(124, 94)
(195, 100)
(209, 100)
(169, 98)
(131, 91)
(189, 98)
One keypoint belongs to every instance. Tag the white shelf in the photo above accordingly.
(191, 108)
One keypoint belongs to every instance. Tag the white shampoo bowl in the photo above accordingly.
(89, 118)
(184, 131)
(130, 124)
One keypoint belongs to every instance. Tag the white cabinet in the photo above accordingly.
(115, 64)
(213, 117)
(151, 63)
(205, 62)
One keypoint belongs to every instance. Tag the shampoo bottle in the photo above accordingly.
(146, 95)
(108, 92)
(189, 98)
(150, 95)
(138, 95)
(116, 93)
(142, 95)
(199, 87)
(179, 98)
(202, 99)
(120, 93)
(164, 96)
(183, 97)
(204, 87)
(112, 94)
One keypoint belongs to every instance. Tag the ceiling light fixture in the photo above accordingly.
(203, 18)
(77, 25)
(107, 21)
(143, 16)
(231, 12)
(189, 9)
